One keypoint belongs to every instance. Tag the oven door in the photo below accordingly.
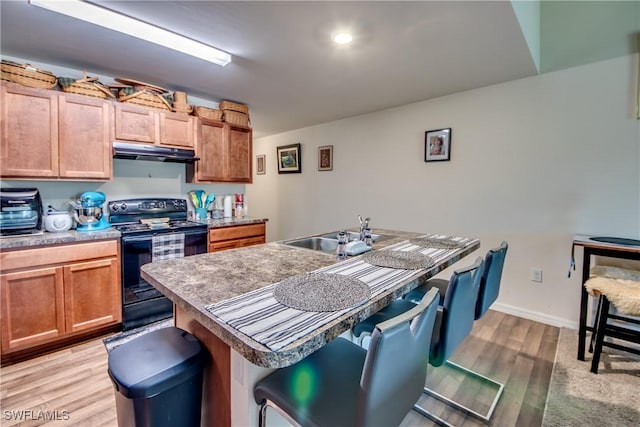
(142, 303)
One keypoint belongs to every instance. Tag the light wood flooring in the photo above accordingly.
(73, 383)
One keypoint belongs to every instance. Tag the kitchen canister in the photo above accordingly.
(227, 206)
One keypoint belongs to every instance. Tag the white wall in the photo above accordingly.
(533, 162)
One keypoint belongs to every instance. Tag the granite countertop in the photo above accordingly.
(229, 222)
(46, 238)
(197, 281)
(73, 236)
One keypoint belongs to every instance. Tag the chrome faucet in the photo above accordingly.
(364, 224)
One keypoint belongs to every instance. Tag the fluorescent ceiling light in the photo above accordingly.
(114, 21)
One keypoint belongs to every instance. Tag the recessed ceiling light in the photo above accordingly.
(343, 38)
(114, 21)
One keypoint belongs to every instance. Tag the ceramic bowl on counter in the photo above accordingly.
(55, 222)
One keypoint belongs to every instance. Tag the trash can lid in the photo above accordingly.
(155, 362)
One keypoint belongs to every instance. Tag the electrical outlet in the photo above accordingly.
(536, 275)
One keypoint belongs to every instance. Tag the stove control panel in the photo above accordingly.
(142, 206)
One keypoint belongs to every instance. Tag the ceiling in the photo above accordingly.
(289, 72)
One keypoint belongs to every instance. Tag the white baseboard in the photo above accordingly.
(536, 316)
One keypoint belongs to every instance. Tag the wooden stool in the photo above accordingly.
(624, 295)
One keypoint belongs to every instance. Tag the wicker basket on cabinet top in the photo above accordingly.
(27, 75)
(236, 118)
(89, 86)
(146, 98)
(233, 106)
(207, 113)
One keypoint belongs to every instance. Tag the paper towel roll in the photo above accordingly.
(227, 207)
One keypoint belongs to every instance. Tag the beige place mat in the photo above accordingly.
(321, 292)
(398, 259)
(433, 242)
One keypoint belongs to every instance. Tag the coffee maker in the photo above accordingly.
(88, 211)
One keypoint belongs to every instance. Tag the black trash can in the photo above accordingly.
(158, 379)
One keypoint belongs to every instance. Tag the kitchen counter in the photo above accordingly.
(195, 282)
(46, 238)
(229, 222)
(73, 236)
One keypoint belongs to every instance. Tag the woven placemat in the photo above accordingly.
(398, 259)
(321, 292)
(433, 242)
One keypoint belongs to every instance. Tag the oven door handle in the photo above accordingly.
(147, 237)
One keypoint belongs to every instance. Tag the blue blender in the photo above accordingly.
(88, 211)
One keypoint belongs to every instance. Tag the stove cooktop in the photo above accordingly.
(137, 227)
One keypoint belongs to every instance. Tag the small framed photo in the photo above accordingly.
(289, 160)
(437, 145)
(325, 158)
(260, 164)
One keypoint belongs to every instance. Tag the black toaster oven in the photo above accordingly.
(20, 211)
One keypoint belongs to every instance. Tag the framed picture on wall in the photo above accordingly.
(325, 158)
(437, 145)
(289, 160)
(260, 164)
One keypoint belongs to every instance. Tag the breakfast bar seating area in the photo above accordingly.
(250, 328)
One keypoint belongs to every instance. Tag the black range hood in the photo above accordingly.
(125, 150)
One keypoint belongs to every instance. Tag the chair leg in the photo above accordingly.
(419, 409)
(595, 325)
(600, 333)
(262, 414)
(484, 417)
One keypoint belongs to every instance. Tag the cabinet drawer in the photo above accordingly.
(57, 255)
(238, 243)
(236, 232)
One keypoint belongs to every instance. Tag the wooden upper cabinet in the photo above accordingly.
(177, 129)
(225, 153)
(240, 149)
(135, 123)
(29, 139)
(210, 148)
(49, 134)
(85, 137)
(138, 124)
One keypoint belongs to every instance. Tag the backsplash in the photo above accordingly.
(131, 178)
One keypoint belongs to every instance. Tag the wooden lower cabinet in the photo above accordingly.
(90, 297)
(236, 236)
(32, 307)
(55, 293)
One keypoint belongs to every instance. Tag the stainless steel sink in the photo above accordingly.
(352, 236)
(322, 244)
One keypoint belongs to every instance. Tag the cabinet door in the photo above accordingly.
(211, 150)
(239, 146)
(32, 307)
(177, 129)
(29, 136)
(135, 124)
(92, 294)
(85, 137)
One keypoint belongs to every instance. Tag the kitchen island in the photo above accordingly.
(197, 283)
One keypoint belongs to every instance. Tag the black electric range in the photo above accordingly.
(153, 229)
